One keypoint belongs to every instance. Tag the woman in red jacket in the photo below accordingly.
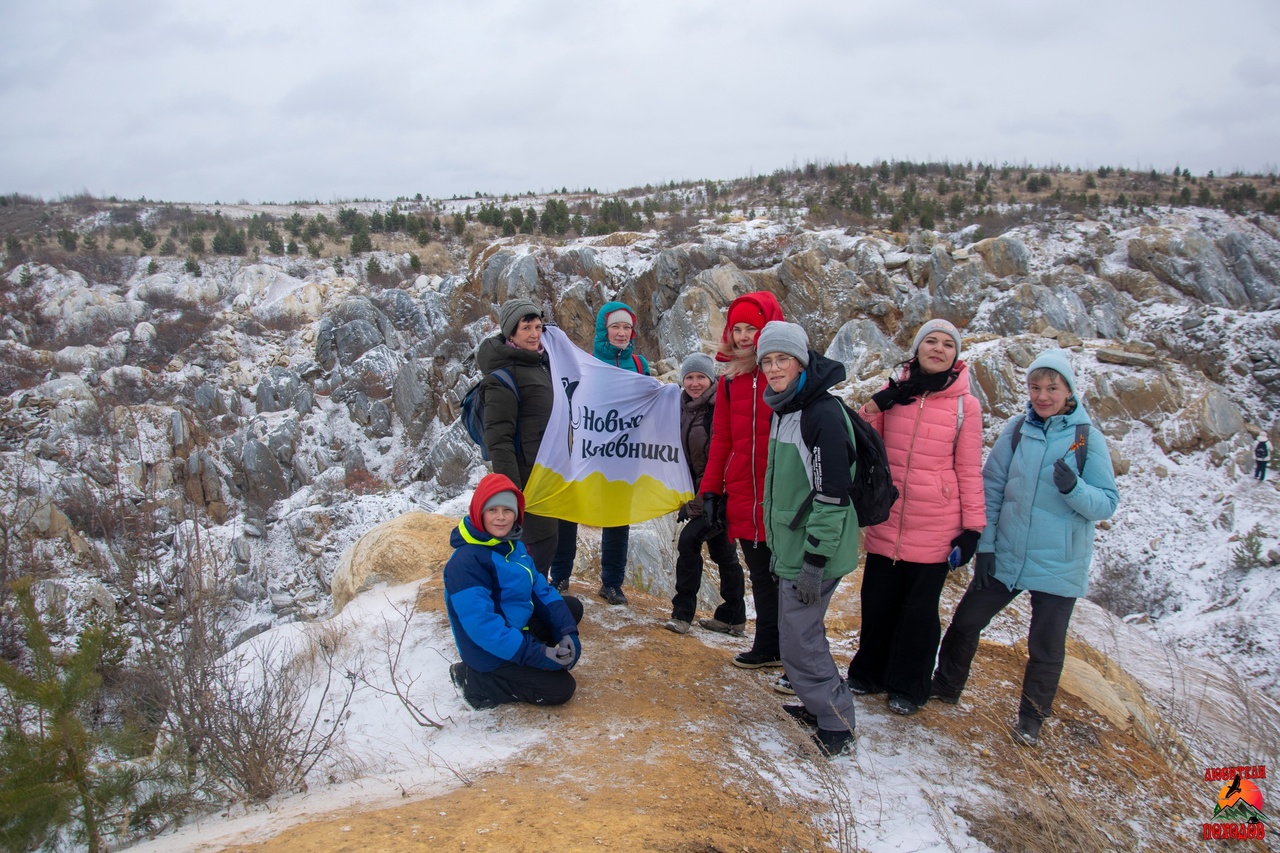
(733, 485)
(932, 430)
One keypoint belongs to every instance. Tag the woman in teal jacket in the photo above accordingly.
(614, 344)
(1042, 504)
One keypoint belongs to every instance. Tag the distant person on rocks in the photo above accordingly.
(518, 637)
(614, 344)
(810, 522)
(514, 421)
(733, 485)
(1261, 455)
(697, 407)
(932, 430)
(1041, 511)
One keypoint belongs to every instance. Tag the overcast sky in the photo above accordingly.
(275, 100)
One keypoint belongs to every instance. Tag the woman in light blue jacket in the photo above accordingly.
(1047, 481)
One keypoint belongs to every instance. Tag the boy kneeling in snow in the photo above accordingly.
(517, 636)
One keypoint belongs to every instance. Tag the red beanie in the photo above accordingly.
(746, 311)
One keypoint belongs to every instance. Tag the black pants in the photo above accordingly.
(1260, 469)
(1046, 644)
(900, 627)
(512, 682)
(684, 604)
(764, 593)
(540, 539)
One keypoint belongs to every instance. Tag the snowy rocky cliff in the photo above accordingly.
(263, 415)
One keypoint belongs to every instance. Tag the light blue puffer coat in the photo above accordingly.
(1043, 539)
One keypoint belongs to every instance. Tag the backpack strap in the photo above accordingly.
(639, 368)
(1081, 445)
(1017, 432)
(508, 379)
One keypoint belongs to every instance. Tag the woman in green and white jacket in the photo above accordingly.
(810, 524)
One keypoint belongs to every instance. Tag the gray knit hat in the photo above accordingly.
(505, 498)
(779, 336)
(938, 325)
(512, 312)
(697, 362)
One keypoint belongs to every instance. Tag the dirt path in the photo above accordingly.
(648, 757)
(661, 750)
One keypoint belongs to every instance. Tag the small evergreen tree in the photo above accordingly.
(193, 267)
(196, 245)
(67, 239)
(48, 748)
(361, 242)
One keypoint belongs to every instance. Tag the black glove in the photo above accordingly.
(1063, 477)
(682, 514)
(983, 568)
(713, 513)
(967, 542)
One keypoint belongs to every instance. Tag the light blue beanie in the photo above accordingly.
(1055, 359)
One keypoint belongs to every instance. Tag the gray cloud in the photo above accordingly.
(327, 99)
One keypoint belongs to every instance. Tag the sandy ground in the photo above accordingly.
(653, 756)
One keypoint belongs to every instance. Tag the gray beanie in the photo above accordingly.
(697, 362)
(505, 498)
(935, 326)
(788, 338)
(512, 312)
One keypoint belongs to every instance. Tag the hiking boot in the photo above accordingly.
(1027, 731)
(834, 744)
(900, 704)
(679, 626)
(561, 586)
(783, 685)
(612, 594)
(755, 660)
(801, 714)
(719, 627)
(458, 675)
(936, 692)
(863, 688)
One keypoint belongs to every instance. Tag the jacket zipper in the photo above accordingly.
(911, 449)
(755, 489)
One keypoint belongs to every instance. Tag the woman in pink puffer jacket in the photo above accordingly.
(932, 430)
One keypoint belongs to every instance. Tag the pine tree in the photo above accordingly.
(47, 749)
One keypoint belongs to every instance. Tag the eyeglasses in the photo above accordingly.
(781, 362)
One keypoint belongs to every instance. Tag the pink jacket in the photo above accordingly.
(938, 472)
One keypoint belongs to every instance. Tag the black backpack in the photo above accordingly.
(873, 492)
(473, 411)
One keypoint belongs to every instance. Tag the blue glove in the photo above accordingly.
(984, 566)
(1063, 477)
(809, 584)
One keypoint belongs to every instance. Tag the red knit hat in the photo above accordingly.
(746, 311)
(491, 485)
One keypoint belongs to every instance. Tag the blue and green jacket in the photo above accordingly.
(491, 591)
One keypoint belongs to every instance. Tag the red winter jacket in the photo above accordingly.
(937, 471)
(739, 450)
